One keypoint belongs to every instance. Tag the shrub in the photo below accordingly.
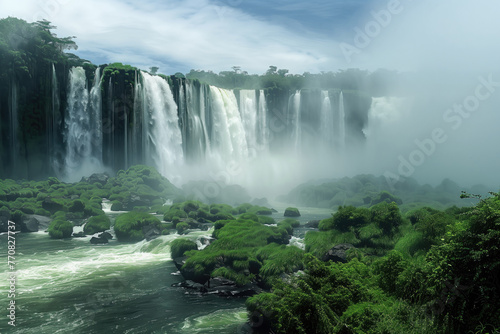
(386, 216)
(345, 218)
(97, 224)
(59, 229)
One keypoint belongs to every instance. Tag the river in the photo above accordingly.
(72, 286)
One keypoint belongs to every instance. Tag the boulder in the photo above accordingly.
(105, 235)
(220, 286)
(50, 205)
(337, 253)
(35, 223)
(29, 225)
(98, 241)
(134, 200)
(79, 235)
(96, 178)
(292, 212)
(313, 223)
(150, 232)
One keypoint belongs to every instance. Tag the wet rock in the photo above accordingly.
(337, 253)
(96, 178)
(313, 223)
(105, 235)
(35, 223)
(79, 235)
(50, 205)
(150, 232)
(98, 241)
(220, 286)
(292, 212)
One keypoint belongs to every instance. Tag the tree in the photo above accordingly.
(272, 70)
(153, 70)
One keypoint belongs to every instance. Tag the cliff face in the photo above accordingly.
(62, 116)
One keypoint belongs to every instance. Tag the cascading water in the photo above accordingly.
(342, 134)
(326, 126)
(228, 140)
(53, 122)
(83, 127)
(191, 112)
(248, 111)
(161, 133)
(96, 115)
(295, 112)
(262, 126)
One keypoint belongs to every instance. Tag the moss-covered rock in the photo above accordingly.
(182, 227)
(179, 246)
(129, 226)
(97, 224)
(60, 229)
(291, 212)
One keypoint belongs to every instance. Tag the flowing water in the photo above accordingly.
(71, 286)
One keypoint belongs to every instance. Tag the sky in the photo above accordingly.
(302, 36)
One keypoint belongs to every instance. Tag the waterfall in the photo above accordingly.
(263, 131)
(326, 126)
(228, 139)
(342, 134)
(53, 122)
(96, 116)
(135, 152)
(83, 126)
(294, 110)
(191, 112)
(161, 131)
(248, 111)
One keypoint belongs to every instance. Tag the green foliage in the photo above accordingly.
(433, 226)
(386, 216)
(116, 206)
(174, 212)
(388, 270)
(128, 226)
(345, 218)
(179, 246)
(182, 227)
(413, 243)
(97, 224)
(60, 229)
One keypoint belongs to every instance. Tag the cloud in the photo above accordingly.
(198, 34)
